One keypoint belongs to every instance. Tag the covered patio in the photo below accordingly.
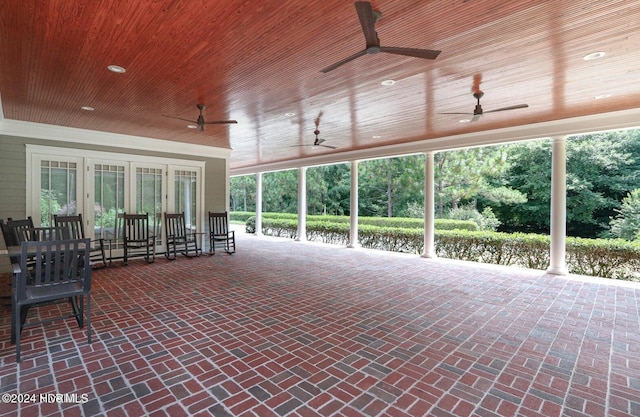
(306, 329)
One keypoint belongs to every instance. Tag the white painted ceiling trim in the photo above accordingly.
(625, 119)
(115, 140)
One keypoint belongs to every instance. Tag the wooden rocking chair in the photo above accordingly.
(179, 239)
(219, 233)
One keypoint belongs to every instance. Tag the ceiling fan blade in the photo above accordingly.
(180, 118)
(344, 61)
(368, 22)
(315, 146)
(517, 106)
(220, 122)
(414, 52)
(476, 117)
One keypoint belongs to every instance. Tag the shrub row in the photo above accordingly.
(401, 222)
(611, 258)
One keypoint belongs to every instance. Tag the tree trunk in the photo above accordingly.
(244, 192)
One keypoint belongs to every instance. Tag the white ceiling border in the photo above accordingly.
(11, 127)
(625, 119)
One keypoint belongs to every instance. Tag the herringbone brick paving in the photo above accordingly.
(286, 328)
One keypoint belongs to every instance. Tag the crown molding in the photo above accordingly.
(625, 119)
(11, 127)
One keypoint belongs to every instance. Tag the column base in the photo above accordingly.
(558, 270)
(429, 255)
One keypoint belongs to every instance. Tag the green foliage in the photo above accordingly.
(394, 222)
(329, 189)
(250, 225)
(626, 225)
(388, 186)
(610, 258)
(280, 191)
(485, 220)
(243, 193)
(106, 218)
(514, 181)
(465, 175)
(601, 169)
(49, 206)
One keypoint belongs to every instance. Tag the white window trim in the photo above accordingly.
(34, 152)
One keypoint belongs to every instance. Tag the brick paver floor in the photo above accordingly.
(287, 328)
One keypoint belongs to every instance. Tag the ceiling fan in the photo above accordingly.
(200, 121)
(477, 112)
(368, 18)
(318, 142)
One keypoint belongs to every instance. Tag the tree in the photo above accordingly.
(626, 224)
(329, 189)
(242, 191)
(388, 186)
(280, 191)
(601, 169)
(469, 174)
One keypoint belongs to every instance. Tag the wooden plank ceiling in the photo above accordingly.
(258, 62)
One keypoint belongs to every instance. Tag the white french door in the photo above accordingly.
(100, 185)
(57, 187)
(107, 179)
(148, 189)
(184, 194)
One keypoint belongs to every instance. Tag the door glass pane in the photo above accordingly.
(149, 197)
(185, 196)
(109, 199)
(58, 190)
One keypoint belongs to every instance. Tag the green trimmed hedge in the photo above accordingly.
(401, 222)
(610, 258)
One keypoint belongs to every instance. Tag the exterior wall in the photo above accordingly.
(13, 177)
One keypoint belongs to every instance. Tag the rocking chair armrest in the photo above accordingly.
(100, 241)
(16, 268)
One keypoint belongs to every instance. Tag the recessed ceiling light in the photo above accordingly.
(388, 82)
(464, 120)
(376, 137)
(87, 108)
(290, 114)
(601, 96)
(594, 55)
(116, 68)
(192, 126)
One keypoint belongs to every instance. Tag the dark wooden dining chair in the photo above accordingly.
(19, 230)
(63, 273)
(10, 236)
(219, 233)
(73, 228)
(9, 240)
(137, 239)
(44, 233)
(178, 238)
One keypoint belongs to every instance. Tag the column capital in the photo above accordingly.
(560, 138)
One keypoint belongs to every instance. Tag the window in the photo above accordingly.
(100, 185)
